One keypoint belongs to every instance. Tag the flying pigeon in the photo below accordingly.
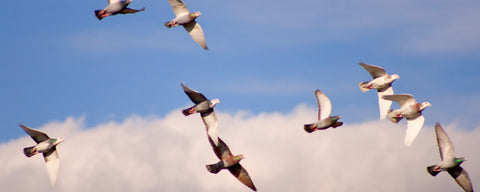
(116, 7)
(449, 162)
(187, 20)
(409, 109)
(46, 146)
(230, 162)
(205, 108)
(325, 120)
(383, 83)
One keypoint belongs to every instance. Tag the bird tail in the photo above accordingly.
(29, 151)
(309, 128)
(432, 171)
(98, 15)
(362, 86)
(168, 24)
(188, 111)
(215, 168)
(392, 116)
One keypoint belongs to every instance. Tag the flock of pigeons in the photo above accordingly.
(183, 17)
(382, 82)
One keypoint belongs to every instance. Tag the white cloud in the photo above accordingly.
(170, 153)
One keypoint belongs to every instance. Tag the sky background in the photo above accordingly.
(61, 66)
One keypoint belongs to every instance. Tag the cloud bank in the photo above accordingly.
(170, 153)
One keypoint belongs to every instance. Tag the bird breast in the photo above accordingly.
(184, 19)
(44, 146)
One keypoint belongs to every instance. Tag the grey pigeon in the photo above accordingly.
(411, 110)
(46, 146)
(116, 7)
(187, 19)
(205, 108)
(449, 162)
(325, 120)
(383, 83)
(230, 162)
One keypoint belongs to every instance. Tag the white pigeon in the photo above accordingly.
(116, 7)
(187, 19)
(325, 119)
(412, 111)
(383, 83)
(46, 146)
(449, 162)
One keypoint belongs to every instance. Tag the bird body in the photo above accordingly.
(325, 120)
(449, 162)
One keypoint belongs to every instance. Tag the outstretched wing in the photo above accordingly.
(179, 8)
(196, 32)
(402, 99)
(210, 120)
(221, 150)
(413, 129)
(461, 177)
(195, 96)
(242, 175)
(324, 105)
(445, 145)
(128, 10)
(51, 160)
(383, 104)
(36, 135)
(375, 71)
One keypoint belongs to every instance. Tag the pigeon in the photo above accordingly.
(325, 120)
(383, 83)
(411, 110)
(187, 20)
(449, 162)
(116, 7)
(47, 146)
(205, 108)
(230, 162)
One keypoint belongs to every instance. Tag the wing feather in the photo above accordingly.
(445, 146)
(413, 129)
(324, 105)
(195, 96)
(375, 71)
(211, 124)
(462, 178)
(401, 99)
(52, 161)
(179, 8)
(196, 32)
(36, 135)
(241, 174)
(383, 104)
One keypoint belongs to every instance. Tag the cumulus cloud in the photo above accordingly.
(170, 153)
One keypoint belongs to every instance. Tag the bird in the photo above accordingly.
(116, 7)
(230, 162)
(449, 162)
(411, 110)
(48, 147)
(187, 19)
(205, 108)
(383, 83)
(325, 120)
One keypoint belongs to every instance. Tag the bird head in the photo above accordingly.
(195, 15)
(460, 160)
(394, 76)
(424, 105)
(128, 1)
(57, 141)
(213, 102)
(336, 118)
(238, 157)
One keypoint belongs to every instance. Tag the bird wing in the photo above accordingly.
(324, 105)
(375, 71)
(461, 177)
(383, 104)
(413, 129)
(129, 10)
(402, 99)
(51, 160)
(445, 145)
(210, 120)
(221, 150)
(195, 96)
(196, 32)
(179, 8)
(242, 175)
(36, 135)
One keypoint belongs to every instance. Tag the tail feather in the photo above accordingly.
(168, 24)
(29, 151)
(392, 116)
(215, 168)
(432, 171)
(362, 86)
(187, 112)
(98, 15)
(309, 128)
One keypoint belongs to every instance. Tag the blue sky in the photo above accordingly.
(264, 57)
